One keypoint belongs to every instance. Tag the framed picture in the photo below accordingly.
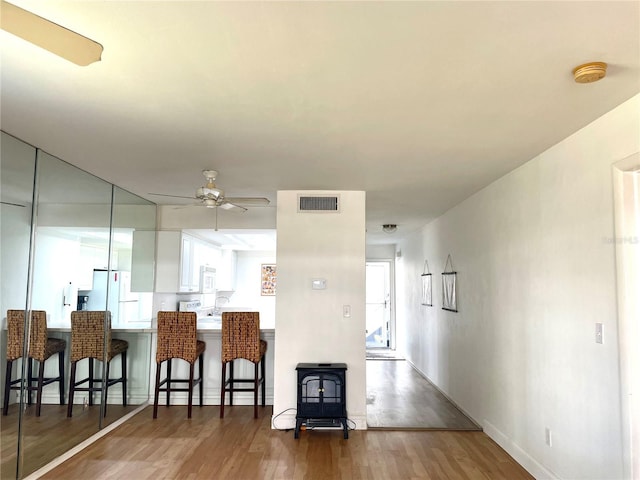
(426, 289)
(268, 279)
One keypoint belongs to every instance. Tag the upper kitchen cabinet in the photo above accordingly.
(143, 260)
(226, 270)
(179, 259)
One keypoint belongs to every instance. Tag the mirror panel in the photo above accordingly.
(71, 239)
(17, 170)
(84, 230)
(131, 294)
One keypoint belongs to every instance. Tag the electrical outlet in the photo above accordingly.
(547, 437)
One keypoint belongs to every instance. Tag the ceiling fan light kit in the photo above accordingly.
(48, 35)
(209, 193)
(590, 72)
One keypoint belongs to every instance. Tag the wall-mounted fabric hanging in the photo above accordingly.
(449, 296)
(426, 285)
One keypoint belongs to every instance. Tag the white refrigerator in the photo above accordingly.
(123, 304)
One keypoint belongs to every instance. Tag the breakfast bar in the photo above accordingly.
(141, 364)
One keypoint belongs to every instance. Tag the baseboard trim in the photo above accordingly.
(445, 395)
(519, 455)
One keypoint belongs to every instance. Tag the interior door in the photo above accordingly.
(378, 305)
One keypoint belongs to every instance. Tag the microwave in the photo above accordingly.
(207, 279)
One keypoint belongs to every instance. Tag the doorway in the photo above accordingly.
(379, 331)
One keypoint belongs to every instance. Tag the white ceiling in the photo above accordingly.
(420, 104)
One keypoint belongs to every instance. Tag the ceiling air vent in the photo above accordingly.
(318, 203)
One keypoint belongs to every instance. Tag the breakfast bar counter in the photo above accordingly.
(141, 364)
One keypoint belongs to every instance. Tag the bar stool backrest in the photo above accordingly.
(177, 336)
(241, 336)
(88, 334)
(15, 334)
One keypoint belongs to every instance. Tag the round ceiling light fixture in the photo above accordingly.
(590, 72)
(389, 227)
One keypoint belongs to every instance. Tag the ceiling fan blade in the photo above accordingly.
(227, 205)
(13, 204)
(249, 201)
(173, 196)
(48, 35)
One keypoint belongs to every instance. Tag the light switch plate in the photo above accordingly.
(599, 333)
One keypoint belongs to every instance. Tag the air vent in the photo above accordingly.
(318, 203)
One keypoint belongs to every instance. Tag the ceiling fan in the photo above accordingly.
(48, 35)
(211, 196)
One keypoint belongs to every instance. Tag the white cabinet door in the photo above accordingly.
(179, 259)
(142, 260)
(168, 262)
(188, 282)
(226, 277)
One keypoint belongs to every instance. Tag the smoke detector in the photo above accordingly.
(590, 72)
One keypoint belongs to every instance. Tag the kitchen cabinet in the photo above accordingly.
(226, 271)
(179, 259)
(189, 266)
(175, 263)
(142, 260)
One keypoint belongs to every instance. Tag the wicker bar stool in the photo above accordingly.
(241, 339)
(88, 341)
(41, 347)
(177, 339)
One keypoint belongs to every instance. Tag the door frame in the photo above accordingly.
(627, 227)
(392, 297)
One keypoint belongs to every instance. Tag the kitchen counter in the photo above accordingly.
(204, 325)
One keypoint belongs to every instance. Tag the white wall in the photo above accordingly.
(310, 326)
(248, 292)
(53, 271)
(536, 271)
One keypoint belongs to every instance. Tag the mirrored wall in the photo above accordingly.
(70, 241)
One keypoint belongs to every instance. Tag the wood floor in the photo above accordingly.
(399, 397)
(241, 447)
(48, 436)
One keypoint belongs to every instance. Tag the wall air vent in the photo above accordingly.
(318, 203)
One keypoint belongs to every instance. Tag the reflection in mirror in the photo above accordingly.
(85, 231)
(16, 192)
(71, 239)
(130, 294)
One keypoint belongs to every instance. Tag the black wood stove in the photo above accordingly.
(321, 396)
